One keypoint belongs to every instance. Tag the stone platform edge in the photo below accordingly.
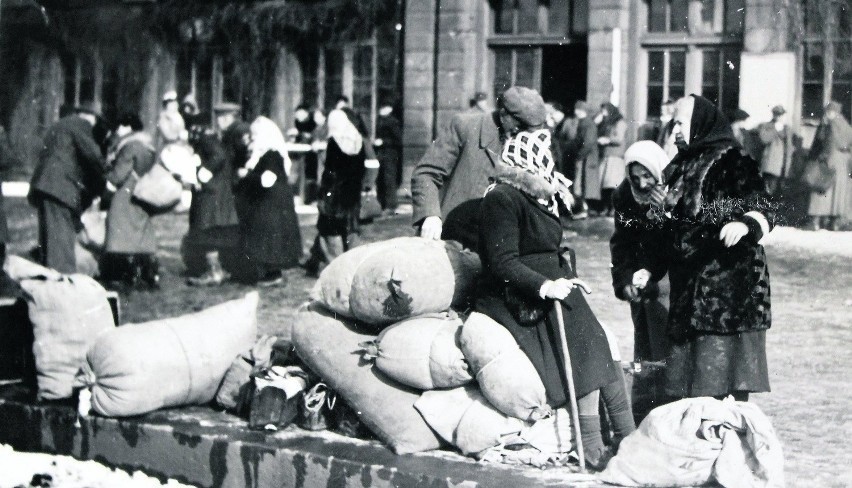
(202, 447)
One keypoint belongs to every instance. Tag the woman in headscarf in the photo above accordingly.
(524, 272)
(611, 134)
(340, 188)
(638, 268)
(832, 144)
(718, 211)
(269, 227)
(131, 242)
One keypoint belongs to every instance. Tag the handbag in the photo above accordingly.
(158, 188)
(370, 206)
(819, 176)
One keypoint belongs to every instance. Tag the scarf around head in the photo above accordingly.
(344, 133)
(708, 129)
(266, 136)
(530, 153)
(608, 122)
(651, 157)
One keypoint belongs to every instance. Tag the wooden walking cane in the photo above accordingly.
(572, 392)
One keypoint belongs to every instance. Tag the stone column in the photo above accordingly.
(605, 16)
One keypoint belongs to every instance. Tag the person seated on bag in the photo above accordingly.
(524, 275)
(637, 266)
(131, 240)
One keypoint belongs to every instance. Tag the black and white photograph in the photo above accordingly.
(425, 243)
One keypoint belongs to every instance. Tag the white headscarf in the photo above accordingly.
(265, 137)
(344, 133)
(652, 157)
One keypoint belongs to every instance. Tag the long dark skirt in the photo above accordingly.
(591, 359)
(718, 365)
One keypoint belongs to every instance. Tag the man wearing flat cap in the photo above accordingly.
(213, 215)
(776, 140)
(70, 173)
(452, 176)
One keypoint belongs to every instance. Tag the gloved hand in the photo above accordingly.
(732, 232)
(561, 288)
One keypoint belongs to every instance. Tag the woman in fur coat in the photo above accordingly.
(717, 209)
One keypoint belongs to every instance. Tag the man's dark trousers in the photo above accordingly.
(57, 237)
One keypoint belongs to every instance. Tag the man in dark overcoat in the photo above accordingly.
(69, 175)
(388, 146)
(213, 215)
(452, 176)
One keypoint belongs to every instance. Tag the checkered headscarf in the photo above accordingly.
(530, 151)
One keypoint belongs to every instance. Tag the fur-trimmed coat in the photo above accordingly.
(519, 244)
(715, 289)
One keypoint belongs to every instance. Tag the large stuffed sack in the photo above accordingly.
(68, 313)
(329, 347)
(385, 282)
(465, 419)
(139, 368)
(505, 374)
(699, 441)
(422, 352)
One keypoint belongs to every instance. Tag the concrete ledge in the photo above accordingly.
(212, 449)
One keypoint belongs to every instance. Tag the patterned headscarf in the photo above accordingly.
(530, 151)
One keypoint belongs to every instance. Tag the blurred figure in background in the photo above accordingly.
(340, 189)
(832, 145)
(479, 103)
(388, 145)
(612, 131)
(131, 241)
(269, 228)
(69, 175)
(564, 130)
(776, 139)
(8, 288)
(170, 124)
(587, 183)
(744, 136)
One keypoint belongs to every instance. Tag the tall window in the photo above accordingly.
(333, 75)
(309, 60)
(720, 78)
(827, 57)
(666, 78)
(515, 66)
(668, 15)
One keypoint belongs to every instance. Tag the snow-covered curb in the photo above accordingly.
(18, 468)
(819, 242)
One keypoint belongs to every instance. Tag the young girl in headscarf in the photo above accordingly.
(340, 188)
(269, 227)
(717, 210)
(524, 272)
(638, 267)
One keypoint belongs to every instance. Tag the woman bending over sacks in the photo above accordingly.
(524, 273)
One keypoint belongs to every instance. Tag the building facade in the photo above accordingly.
(750, 54)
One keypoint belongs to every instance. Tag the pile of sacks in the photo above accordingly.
(381, 332)
(128, 370)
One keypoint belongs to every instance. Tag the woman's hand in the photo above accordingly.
(204, 175)
(732, 232)
(631, 293)
(267, 179)
(432, 228)
(561, 288)
(242, 172)
(658, 195)
(641, 278)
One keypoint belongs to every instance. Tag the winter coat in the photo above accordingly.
(129, 229)
(563, 146)
(777, 149)
(519, 246)
(587, 182)
(340, 190)
(832, 144)
(715, 289)
(213, 204)
(71, 166)
(457, 166)
(612, 156)
(269, 226)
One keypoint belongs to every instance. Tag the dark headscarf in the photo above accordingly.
(709, 129)
(612, 118)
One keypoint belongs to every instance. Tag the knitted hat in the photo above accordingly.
(525, 104)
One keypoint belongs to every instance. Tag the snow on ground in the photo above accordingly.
(18, 469)
(819, 242)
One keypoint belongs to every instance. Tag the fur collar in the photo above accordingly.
(529, 183)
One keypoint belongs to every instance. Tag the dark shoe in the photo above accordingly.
(210, 278)
(597, 459)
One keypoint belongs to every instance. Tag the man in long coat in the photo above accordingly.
(452, 176)
(69, 175)
(213, 215)
(776, 139)
(587, 185)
